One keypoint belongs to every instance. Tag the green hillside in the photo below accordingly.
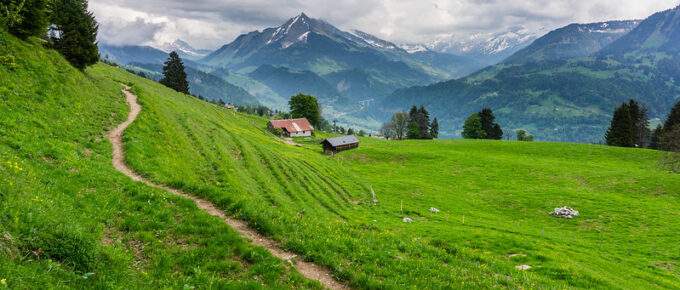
(68, 204)
(68, 219)
(560, 100)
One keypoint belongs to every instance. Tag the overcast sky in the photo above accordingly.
(213, 23)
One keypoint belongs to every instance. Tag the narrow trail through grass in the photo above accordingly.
(309, 270)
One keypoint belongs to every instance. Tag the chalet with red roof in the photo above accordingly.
(293, 127)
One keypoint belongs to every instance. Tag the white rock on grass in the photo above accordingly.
(408, 220)
(564, 212)
(523, 267)
(434, 210)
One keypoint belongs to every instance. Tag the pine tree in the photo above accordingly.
(10, 13)
(350, 131)
(434, 129)
(423, 123)
(74, 32)
(472, 129)
(174, 76)
(620, 132)
(641, 126)
(33, 19)
(493, 130)
(413, 111)
(640, 121)
(655, 142)
(673, 118)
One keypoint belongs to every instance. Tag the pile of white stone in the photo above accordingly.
(564, 212)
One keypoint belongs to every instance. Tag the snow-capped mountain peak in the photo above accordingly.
(373, 40)
(484, 43)
(183, 48)
(294, 30)
(413, 48)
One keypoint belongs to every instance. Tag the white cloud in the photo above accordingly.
(212, 23)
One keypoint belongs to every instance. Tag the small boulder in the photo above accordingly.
(523, 267)
(408, 220)
(434, 210)
(564, 212)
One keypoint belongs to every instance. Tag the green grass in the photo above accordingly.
(69, 220)
(307, 201)
(493, 196)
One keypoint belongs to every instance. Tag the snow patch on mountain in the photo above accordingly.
(413, 48)
(373, 40)
(181, 46)
(484, 43)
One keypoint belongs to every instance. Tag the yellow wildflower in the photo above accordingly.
(3, 281)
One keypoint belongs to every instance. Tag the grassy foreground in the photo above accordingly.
(92, 227)
(69, 220)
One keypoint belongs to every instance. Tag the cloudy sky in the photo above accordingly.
(213, 23)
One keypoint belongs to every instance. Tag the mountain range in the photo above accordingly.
(486, 48)
(304, 43)
(562, 88)
(185, 50)
(575, 40)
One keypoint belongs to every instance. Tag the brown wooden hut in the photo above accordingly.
(338, 144)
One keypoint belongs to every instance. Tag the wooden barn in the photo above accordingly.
(338, 144)
(293, 127)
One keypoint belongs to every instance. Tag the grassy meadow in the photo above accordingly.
(92, 227)
(68, 219)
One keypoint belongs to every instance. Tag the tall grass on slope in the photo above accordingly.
(69, 220)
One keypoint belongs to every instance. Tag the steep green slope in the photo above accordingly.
(659, 35)
(69, 220)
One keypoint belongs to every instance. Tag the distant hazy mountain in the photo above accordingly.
(131, 53)
(286, 82)
(569, 99)
(487, 48)
(127, 54)
(303, 43)
(358, 85)
(185, 50)
(209, 86)
(660, 33)
(575, 40)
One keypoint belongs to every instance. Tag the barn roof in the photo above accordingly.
(293, 125)
(343, 140)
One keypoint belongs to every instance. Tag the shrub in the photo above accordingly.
(277, 131)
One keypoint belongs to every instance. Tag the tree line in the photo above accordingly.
(67, 26)
(629, 127)
(413, 125)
